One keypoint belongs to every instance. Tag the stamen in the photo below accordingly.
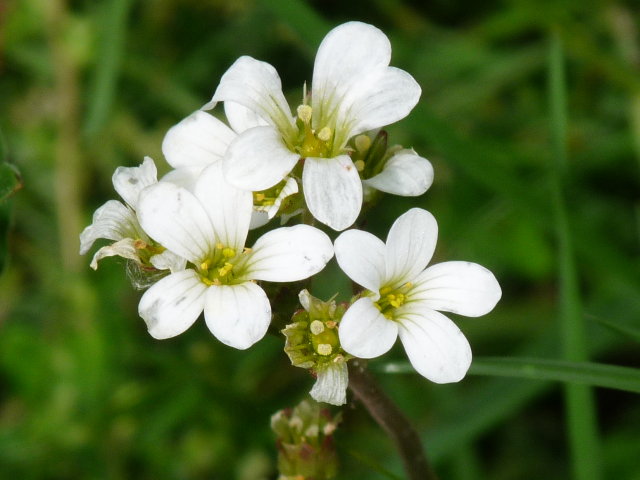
(324, 134)
(359, 165)
(304, 113)
(324, 349)
(316, 327)
(228, 252)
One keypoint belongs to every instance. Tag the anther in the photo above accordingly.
(304, 113)
(316, 327)
(324, 134)
(324, 349)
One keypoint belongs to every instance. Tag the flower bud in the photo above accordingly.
(313, 343)
(305, 442)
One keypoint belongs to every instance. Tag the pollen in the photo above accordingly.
(359, 165)
(204, 265)
(325, 134)
(228, 252)
(304, 113)
(222, 271)
(325, 349)
(316, 327)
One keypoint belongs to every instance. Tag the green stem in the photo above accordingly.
(579, 400)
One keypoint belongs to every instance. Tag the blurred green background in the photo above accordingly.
(550, 203)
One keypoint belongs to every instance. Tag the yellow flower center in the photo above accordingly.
(218, 269)
(391, 299)
(313, 143)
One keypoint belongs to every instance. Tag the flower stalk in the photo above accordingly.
(387, 414)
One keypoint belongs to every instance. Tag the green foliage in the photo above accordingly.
(88, 86)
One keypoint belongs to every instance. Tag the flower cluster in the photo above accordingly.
(185, 234)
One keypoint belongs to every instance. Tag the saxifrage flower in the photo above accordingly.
(353, 90)
(208, 228)
(403, 298)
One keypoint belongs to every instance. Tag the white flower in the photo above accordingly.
(209, 227)
(118, 222)
(200, 140)
(404, 298)
(353, 90)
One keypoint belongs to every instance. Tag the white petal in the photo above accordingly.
(332, 190)
(361, 256)
(229, 208)
(410, 244)
(173, 304)
(130, 181)
(458, 287)
(238, 315)
(112, 221)
(168, 260)
(366, 333)
(405, 173)
(184, 177)
(242, 118)
(354, 89)
(381, 99)
(258, 219)
(124, 248)
(256, 85)
(289, 254)
(436, 347)
(331, 384)
(258, 159)
(175, 218)
(349, 52)
(197, 141)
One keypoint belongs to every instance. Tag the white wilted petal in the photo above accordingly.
(332, 190)
(436, 347)
(237, 315)
(197, 141)
(258, 159)
(410, 244)
(405, 173)
(175, 218)
(124, 248)
(173, 304)
(361, 256)
(130, 181)
(112, 221)
(463, 288)
(331, 384)
(366, 333)
(288, 254)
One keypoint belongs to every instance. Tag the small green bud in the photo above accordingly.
(305, 442)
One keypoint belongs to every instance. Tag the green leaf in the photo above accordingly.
(585, 373)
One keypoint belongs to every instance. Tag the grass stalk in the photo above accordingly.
(579, 400)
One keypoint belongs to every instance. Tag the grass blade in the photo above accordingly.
(580, 404)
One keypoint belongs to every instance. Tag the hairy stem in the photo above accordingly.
(392, 421)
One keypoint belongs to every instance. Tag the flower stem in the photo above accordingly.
(392, 420)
